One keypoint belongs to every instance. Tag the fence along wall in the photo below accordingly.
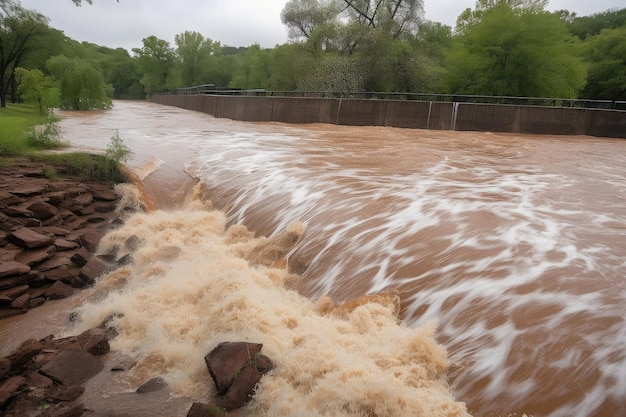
(407, 114)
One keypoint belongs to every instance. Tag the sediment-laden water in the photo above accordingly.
(507, 250)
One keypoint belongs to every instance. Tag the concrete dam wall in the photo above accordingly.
(407, 114)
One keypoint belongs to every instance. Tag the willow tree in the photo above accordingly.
(81, 85)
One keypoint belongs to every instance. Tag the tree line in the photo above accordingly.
(499, 47)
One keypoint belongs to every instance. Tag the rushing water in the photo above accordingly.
(513, 246)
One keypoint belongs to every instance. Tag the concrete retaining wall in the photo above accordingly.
(407, 114)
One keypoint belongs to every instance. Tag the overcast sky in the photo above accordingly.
(231, 22)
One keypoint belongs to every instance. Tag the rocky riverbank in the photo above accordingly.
(49, 230)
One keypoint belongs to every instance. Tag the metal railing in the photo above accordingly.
(451, 98)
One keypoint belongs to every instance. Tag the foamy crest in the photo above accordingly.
(189, 289)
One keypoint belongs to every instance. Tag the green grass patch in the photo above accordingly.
(15, 120)
(83, 165)
(25, 133)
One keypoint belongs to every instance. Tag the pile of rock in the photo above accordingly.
(45, 377)
(49, 230)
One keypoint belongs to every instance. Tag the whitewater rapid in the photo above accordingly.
(510, 246)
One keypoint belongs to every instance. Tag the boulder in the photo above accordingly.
(24, 354)
(227, 359)
(236, 368)
(242, 389)
(94, 268)
(155, 384)
(62, 367)
(42, 210)
(94, 341)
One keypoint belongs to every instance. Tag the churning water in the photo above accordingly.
(507, 250)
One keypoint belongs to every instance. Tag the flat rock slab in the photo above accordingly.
(34, 256)
(32, 190)
(11, 268)
(72, 367)
(30, 239)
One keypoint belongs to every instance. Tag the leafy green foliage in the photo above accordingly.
(195, 57)
(47, 136)
(117, 151)
(516, 52)
(81, 85)
(35, 87)
(154, 61)
(500, 47)
(606, 53)
(586, 26)
(18, 28)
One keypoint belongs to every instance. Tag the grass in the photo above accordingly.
(83, 165)
(25, 133)
(15, 120)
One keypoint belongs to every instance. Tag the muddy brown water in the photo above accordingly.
(511, 245)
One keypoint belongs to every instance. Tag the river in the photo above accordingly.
(507, 250)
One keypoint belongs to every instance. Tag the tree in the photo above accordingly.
(81, 85)
(471, 17)
(606, 54)
(155, 60)
(18, 28)
(587, 26)
(334, 73)
(35, 87)
(302, 16)
(394, 17)
(516, 52)
(253, 68)
(194, 54)
(120, 71)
